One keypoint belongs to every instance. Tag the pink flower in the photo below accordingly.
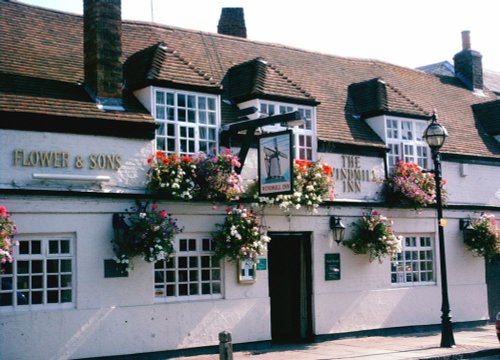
(3, 211)
(154, 206)
(163, 213)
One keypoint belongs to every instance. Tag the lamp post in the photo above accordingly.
(435, 136)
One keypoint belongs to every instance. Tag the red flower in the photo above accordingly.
(166, 161)
(159, 154)
(163, 213)
(154, 206)
(327, 169)
(186, 159)
(3, 211)
(150, 160)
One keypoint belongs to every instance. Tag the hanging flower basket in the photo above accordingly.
(173, 176)
(241, 236)
(143, 231)
(7, 231)
(373, 235)
(198, 177)
(217, 178)
(313, 184)
(483, 237)
(410, 186)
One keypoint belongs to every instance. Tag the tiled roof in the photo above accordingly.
(488, 114)
(259, 79)
(375, 97)
(491, 78)
(159, 65)
(39, 43)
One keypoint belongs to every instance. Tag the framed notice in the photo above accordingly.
(332, 267)
(246, 271)
(276, 163)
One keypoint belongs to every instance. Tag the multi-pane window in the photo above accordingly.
(415, 264)
(42, 273)
(303, 134)
(405, 142)
(192, 272)
(187, 122)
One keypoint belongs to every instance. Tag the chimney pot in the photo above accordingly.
(466, 40)
(232, 22)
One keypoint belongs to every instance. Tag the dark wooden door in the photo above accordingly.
(290, 287)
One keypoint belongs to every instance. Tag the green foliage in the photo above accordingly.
(373, 235)
(483, 239)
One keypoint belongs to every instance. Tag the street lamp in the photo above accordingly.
(435, 136)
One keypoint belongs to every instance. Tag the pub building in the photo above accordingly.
(85, 101)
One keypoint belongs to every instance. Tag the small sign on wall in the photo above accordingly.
(332, 267)
(261, 264)
(246, 271)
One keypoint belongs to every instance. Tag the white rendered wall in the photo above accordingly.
(120, 315)
(123, 160)
(472, 184)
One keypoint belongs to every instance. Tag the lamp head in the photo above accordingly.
(435, 134)
(338, 229)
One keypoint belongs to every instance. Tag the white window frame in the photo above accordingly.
(204, 273)
(186, 137)
(46, 254)
(404, 138)
(418, 251)
(301, 134)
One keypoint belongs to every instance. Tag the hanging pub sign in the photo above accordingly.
(275, 163)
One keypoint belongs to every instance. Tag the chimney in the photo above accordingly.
(232, 22)
(468, 64)
(102, 30)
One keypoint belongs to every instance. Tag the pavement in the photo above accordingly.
(478, 342)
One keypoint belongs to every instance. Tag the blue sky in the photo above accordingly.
(404, 32)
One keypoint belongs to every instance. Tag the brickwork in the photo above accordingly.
(102, 48)
(232, 22)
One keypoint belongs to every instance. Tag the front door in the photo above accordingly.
(290, 286)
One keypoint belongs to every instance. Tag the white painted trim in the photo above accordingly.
(99, 178)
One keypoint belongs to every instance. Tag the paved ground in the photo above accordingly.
(478, 342)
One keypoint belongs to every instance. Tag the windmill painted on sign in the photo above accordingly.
(273, 161)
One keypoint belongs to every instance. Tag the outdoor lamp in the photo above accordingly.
(435, 134)
(338, 229)
(466, 227)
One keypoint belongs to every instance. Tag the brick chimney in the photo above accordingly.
(232, 22)
(468, 64)
(102, 47)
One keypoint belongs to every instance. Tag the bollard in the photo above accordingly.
(225, 346)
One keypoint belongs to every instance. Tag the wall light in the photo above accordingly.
(338, 229)
(466, 227)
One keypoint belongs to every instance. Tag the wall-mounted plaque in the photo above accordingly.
(332, 267)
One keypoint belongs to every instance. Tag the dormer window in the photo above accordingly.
(304, 135)
(404, 139)
(188, 122)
